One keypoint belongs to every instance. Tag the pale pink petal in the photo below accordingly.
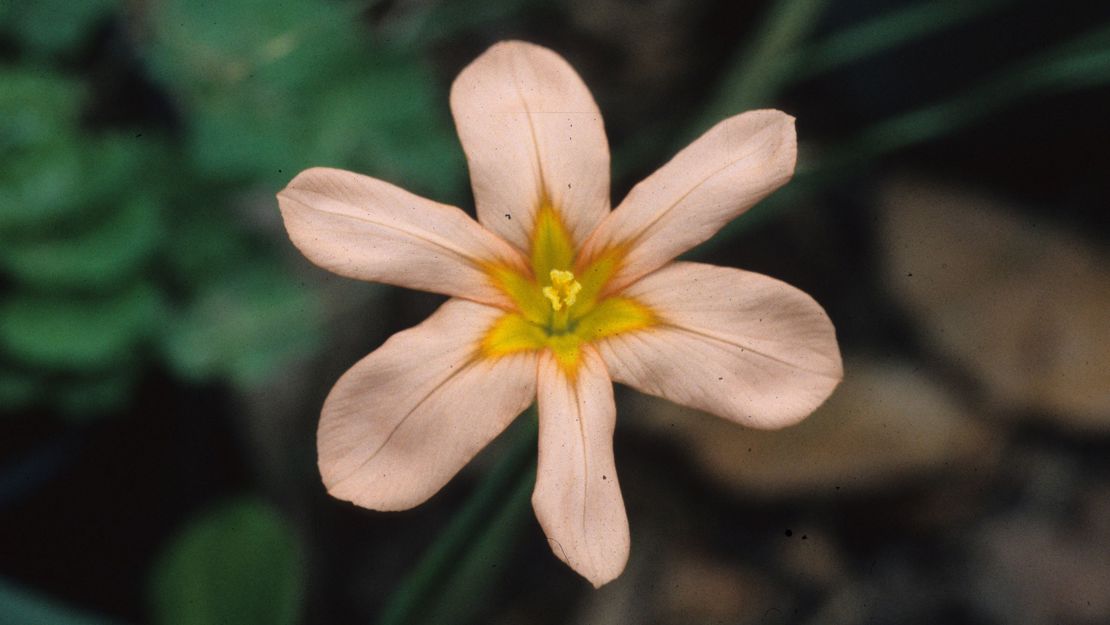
(577, 498)
(723, 173)
(734, 343)
(400, 423)
(531, 132)
(363, 228)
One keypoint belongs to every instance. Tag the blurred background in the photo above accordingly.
(164, 350)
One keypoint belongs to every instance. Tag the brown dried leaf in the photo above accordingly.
(886, 422)
(1023, 307)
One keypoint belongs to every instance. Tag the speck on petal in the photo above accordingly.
(532, 134)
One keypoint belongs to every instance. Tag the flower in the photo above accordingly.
(554, 296)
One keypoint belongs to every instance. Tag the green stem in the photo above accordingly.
(460, 598)
(882, 33)
(760, 72)
(1078, 64)
(506, 477)
(1081, 63)
(781, 57)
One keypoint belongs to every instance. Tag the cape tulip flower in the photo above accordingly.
(554, 296)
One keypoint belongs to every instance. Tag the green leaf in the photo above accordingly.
(250, 72)
(41, 188)
(205, 244)
(1081, 63)
(105, 255)
(54, 178)
(274, 88)
(388, 118)
(213, 48)
(873, 36)
(122, 166)
(234, 137)
(36, 108)
(391, 122)
(482, 566)
(477, 538)
(244, 326)
(237, 564)
(760, 72)
(78, 333)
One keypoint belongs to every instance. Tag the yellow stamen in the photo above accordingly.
(563, 290)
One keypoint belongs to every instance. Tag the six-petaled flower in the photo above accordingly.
(554, 296)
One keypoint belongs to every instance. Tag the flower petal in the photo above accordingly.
(363, 228)
(400, 423)
(533, 135)
(577, 498)
(740, 345)
(708, 184)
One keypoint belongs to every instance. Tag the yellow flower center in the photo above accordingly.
(569, 311)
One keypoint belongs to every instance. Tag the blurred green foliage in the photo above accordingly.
(61, 332)
(238, 563)
(142, 239)
(146, 242)
(81, 220)
(228, 328)
(273, 88)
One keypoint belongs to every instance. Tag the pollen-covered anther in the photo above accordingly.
(563, 290)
